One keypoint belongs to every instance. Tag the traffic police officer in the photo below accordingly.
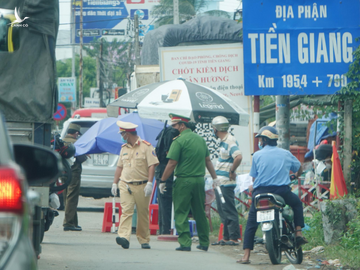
(135, 170)
(188, 156)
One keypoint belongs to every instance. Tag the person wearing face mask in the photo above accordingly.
(188, 156)
(229, 159)
(135, 170)
(165, 138)
(270, 171)
(71, 193)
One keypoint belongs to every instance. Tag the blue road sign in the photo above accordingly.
(298, 47)
(143, 29)
(60, 114)
(99, 15)
(143, 14)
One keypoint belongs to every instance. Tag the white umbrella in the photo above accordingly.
(198, 102)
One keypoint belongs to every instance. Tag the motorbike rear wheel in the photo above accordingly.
(294, 256)
(272, 244)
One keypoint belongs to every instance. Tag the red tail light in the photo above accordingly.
(10, 191)
(264, 204)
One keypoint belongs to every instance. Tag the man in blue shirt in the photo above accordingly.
(270, 171)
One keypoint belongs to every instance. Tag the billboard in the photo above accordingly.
(110, 19)
(297, 47)
(219, 67)
(67, 89)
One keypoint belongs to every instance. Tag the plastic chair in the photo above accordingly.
(210, 197)
(220, 236)
(153, 211)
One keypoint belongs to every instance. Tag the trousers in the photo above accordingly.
(128, 202)
(189, 193)
(290, 199)
(228, 213)
(165, 206)
(71, 196)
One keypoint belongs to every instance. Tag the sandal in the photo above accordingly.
(231, 243)
(301, 240)
(221, 242)
(243, 261)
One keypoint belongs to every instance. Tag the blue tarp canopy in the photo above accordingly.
(320, 126)
(103, 136)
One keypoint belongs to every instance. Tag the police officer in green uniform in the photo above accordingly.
(188, 156)
(71, 194)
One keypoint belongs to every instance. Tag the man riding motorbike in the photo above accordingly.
(270, 171)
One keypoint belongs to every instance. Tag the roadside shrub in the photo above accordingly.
(351, 239)
(315, 233)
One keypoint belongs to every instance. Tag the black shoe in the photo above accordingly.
(300, 240)
(145, 246)
(204, 248)
(122, 242)
(78, 227)
(183, 249)
(72, 228)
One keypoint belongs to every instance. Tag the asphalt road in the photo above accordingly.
(92, 249)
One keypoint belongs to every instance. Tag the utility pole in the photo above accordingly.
(72, 30)
(347, 142)
(136, 37)
(283, 121)
(176, 11)
(81, 58)
(129, 66)
(101, 67)
(256, 124)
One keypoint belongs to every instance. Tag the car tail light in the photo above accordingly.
(11, 208)
(11, 198)
(264, 204)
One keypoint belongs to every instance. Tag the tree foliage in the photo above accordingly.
(64, 68)
(116, 61)
(349, 92)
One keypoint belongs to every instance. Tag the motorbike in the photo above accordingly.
(66, 151)
(277, 225)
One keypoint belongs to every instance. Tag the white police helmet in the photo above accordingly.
(220, 123)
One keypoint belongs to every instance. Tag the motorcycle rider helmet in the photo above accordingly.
(67, 151)
(268, 132)
(220, 123)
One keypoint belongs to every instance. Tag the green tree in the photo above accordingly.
(349, 92)
(64, 68)
(116, 62)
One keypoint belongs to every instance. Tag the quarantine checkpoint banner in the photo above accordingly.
(219, 67)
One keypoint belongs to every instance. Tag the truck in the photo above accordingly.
(28, 90)
(143, 75)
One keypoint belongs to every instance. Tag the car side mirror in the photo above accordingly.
(42, 166)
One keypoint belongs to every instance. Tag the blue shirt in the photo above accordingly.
(271, 166)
